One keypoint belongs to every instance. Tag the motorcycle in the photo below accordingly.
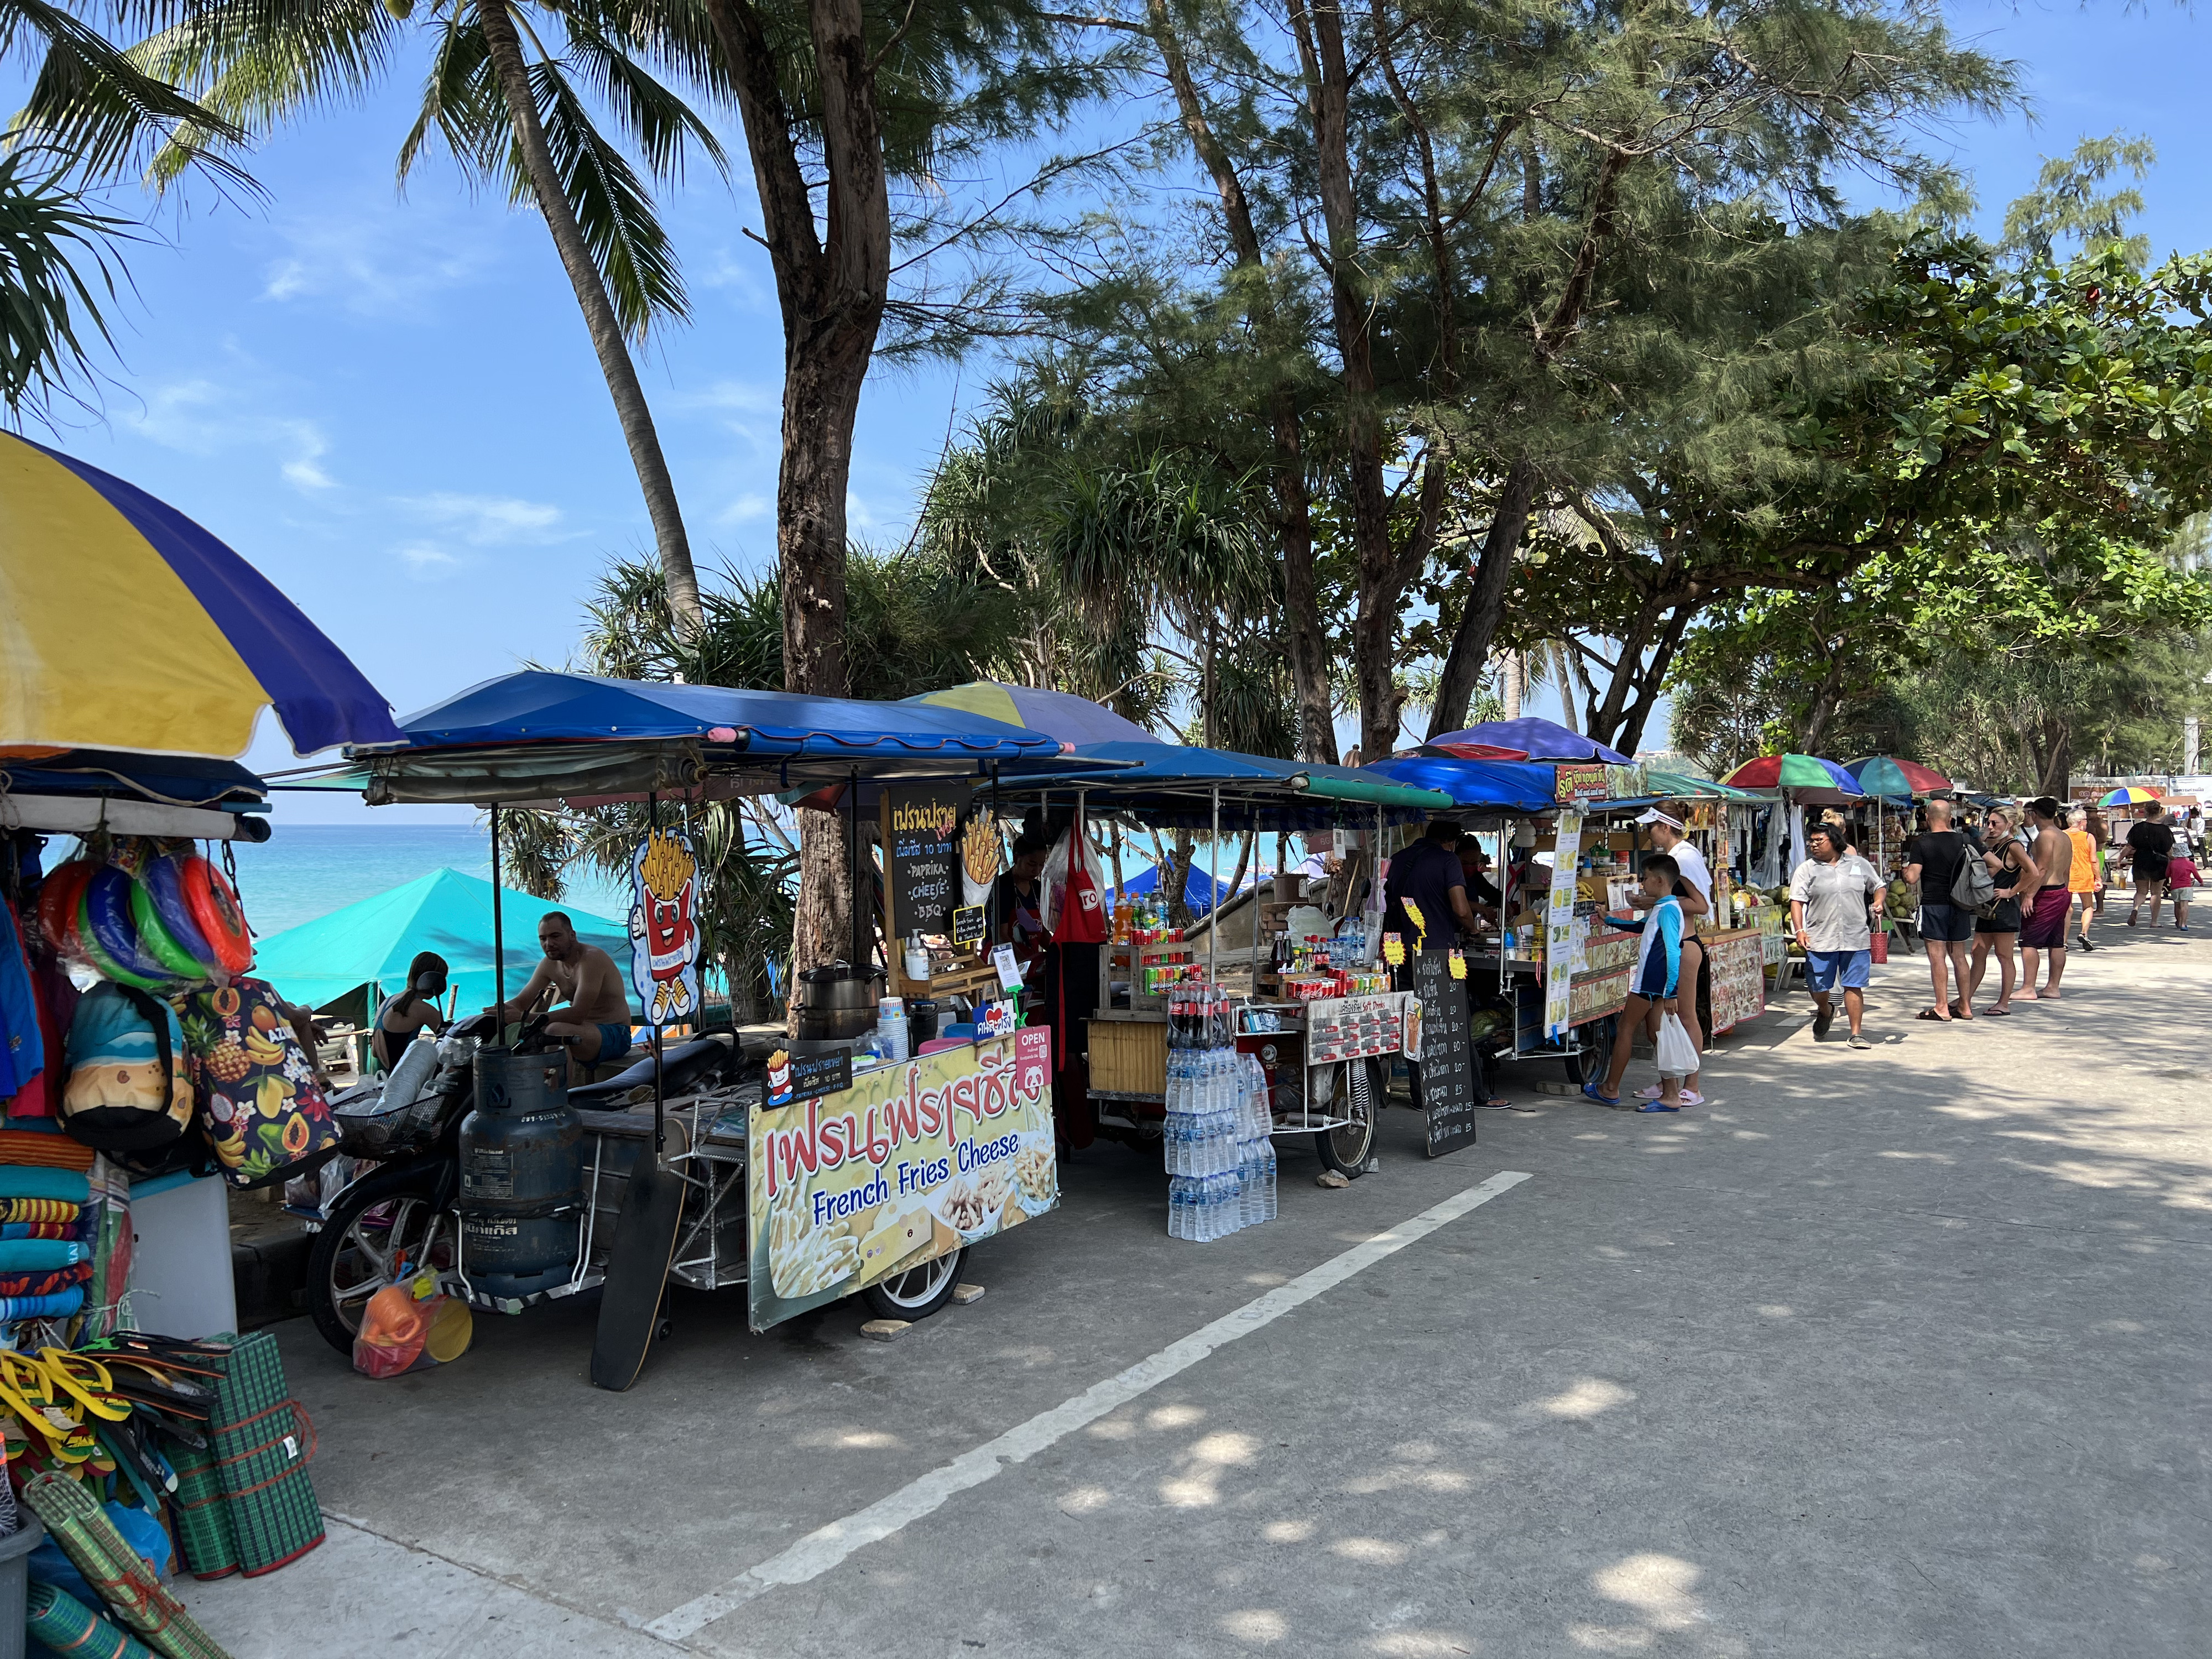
(400, 1211)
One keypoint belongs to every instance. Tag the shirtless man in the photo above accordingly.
(594, 1018)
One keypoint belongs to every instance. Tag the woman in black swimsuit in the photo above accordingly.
(2000, 934)
(402, 1016)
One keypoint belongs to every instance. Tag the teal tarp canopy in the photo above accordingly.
(370, 943)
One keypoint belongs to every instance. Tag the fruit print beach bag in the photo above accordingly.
(259, 1104)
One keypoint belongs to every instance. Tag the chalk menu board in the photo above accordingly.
(1443, 1071)
(921, 854)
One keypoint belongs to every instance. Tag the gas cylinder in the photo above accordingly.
(522, 1174)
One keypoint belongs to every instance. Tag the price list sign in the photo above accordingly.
(1444, 1068)
(921, 854)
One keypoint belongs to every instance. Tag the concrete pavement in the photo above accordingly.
(1891, 1352)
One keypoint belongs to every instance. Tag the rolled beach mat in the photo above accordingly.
(66, 1626)
(155, 939)
(107, 923)
(164, 881)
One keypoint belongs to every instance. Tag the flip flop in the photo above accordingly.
(1995, 1012)
(1657, 1106)
(1652, 1091)
(1929, 1013)
(86, 1381)
(1590, 1089)
(27, 1390)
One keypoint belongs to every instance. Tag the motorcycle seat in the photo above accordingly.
(684, 1065)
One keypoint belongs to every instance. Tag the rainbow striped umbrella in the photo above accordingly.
(2128, 795)
(124, 625)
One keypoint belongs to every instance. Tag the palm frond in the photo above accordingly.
(654, 118)
(615, 210)
(460, 101)
(50, 304)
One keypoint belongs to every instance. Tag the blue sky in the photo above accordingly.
(390, 406)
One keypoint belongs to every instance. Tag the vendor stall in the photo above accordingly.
(834, 1167)
(1313, 1011)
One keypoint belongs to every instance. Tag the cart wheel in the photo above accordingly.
(919, 1291)
(1345, 1148)
(1593, 1044)
(665, 1329)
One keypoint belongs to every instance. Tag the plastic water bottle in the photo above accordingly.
(1267, 1181)
(1179, 1196)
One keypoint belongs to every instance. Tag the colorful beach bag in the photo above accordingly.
(260, 1106)
(129, 1089)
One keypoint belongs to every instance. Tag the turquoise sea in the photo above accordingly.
(308, 870)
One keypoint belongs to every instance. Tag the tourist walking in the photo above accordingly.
(2100, 834)
(2150, 850)
(2042, 924)
(2087, 873)
(2180, 883)
(1997, 934)
(1832, 896)
(1933, 860)
(1694, 891)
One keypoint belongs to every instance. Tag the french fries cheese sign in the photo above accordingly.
(910, 1163)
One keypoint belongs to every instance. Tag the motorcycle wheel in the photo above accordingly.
(373, 1226)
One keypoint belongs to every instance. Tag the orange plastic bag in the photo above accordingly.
(410, 1327)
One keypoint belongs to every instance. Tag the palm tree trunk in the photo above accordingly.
(504, 47)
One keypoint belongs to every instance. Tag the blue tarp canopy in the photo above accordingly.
(372, 942)
(1539, 739)
(1470, 785)
(1198, 890)
(538, 734)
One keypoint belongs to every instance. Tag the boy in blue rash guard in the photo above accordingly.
(1658, 970)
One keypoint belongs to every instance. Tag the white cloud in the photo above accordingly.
(746, 509)
(199, 417)
(427, 564)
(730, 397)
(371, 264)
(487, 520)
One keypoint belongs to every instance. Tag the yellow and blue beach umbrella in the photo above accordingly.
(124, 625)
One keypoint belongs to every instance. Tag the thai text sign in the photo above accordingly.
(921, 854)
(912, 1163)
(1563, 933)
(1579, 783)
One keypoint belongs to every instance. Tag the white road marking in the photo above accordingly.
(826, 1546)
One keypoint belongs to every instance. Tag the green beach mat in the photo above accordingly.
(114, 1570)
(261, 1441)
(204, 1534)
(65, 1626)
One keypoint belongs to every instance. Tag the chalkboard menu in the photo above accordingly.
(1443, 1071)
(921, 854)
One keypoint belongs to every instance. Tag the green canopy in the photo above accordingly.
(1681, 786)
(370, 943)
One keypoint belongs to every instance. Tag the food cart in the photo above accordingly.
(1317, 1020)
(1555, 978)
(808, 1177)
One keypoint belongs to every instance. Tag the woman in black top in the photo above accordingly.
(1999, 935)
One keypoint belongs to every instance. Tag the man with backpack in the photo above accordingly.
(1946, 863)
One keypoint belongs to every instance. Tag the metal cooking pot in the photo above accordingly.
(838, 1001)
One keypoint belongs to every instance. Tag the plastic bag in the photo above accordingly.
(1074, 891)
(410, 1327)
(1677, 1055)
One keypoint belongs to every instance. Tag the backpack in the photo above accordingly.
(262, 1110)
(1974, 887)
(129, 1089)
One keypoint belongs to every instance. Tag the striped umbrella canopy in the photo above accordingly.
(2127, 795)
(1059, 715)
(1886, 774)
(1795, 772)
(124, 625)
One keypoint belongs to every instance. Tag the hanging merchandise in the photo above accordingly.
(212, 903)
(162, 880)
(23, 1042)
(1074, 891)
(261, 1108)
(129, 1089)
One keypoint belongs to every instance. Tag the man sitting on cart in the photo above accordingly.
(592, 1022)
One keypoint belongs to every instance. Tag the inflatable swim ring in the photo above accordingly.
(164, 881)
(57, 900)
(106, 923)
(155, 939)
(214, 911)
(89, 952)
